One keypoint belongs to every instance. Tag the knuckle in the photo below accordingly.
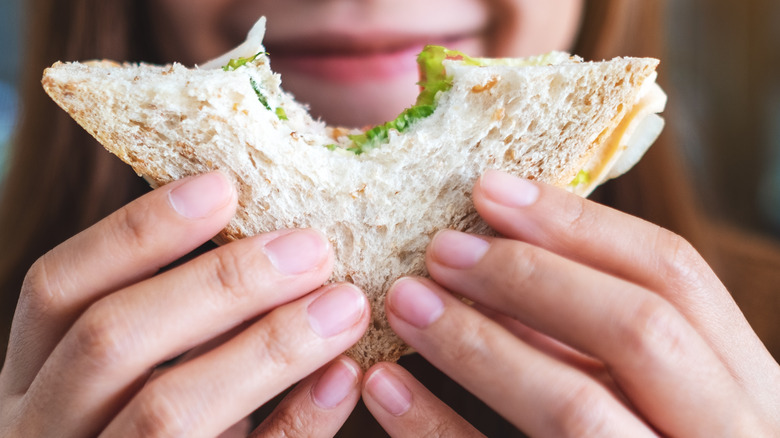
(286, 422)
(158, 415)
(274, 344)
(579, 214)
(441, 428)
(475, 344)
(132, 228)
(521, 267)
(40, 291)
(583, 413)
(102, 337)
(230, 273)
(653, 332)
(681, 264)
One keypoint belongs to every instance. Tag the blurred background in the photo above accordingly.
(722, 61)
(10, 17)
(721, 72)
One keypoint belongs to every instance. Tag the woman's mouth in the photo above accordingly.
(344, 59)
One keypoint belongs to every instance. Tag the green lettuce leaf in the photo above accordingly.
(433, 80)
(240, 62)
(433, 75)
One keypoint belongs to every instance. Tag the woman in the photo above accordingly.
(640, 336)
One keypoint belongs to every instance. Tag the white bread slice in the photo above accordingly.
(380, 208)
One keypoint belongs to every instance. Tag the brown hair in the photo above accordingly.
(60, 181)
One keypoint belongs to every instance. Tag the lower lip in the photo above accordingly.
(351, 68)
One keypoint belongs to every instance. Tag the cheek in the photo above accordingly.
(532, 27)
(187, 30)
(180, 14)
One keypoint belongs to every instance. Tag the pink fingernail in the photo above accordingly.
(336, 310)
(415, 303)
(334, 385)
(200, 196)
(508, 190)
(458, 250)
(389, 392)
(297, 252)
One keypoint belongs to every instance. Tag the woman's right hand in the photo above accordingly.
(95, 319)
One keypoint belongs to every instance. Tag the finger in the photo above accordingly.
(318, 406)
(127, 246)
(637, 251)
(124, 335)
(238, 430)
(405, 408)
(586, 232)
(656, 357)
(538, 394)
(206, 395)
(556, 349)
(604, 239)
(544, 343)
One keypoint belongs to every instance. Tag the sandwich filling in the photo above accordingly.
(625, 146)
(628, 142)
(434, 80)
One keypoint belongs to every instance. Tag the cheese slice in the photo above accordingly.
(628, 142)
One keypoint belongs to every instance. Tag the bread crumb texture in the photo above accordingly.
(379, 209)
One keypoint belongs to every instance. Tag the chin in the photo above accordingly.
(354, 104)
(357, 89)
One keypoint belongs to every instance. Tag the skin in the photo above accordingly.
(586, 321)
(620, 336)
(97, 317)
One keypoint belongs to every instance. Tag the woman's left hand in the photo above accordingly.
(587, 322)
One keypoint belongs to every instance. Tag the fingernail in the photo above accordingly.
(334, 385)
(458, 250)
(297, 252)
(415, 303)
(336, 310)
(200, 196)
(389, 392)
(508, 190)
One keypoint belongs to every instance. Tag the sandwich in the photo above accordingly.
(379, 194)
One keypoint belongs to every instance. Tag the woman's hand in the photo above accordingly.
(587, 322)
(95, 320)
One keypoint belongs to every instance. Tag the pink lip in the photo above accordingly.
(349, 63)
(351, 68)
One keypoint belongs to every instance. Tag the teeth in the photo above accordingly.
(630, 140)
